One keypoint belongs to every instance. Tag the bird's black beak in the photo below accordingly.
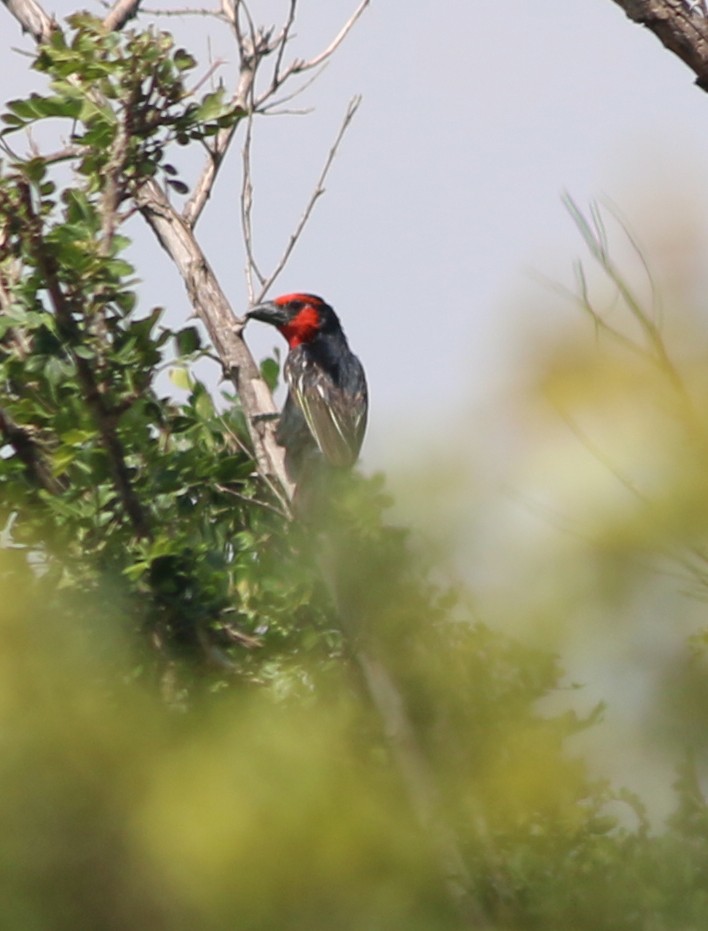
(268, 312)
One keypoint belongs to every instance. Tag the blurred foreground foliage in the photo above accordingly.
(251, 808)
(184, 738)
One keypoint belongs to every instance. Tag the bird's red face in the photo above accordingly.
(299, 317)
(304, 320)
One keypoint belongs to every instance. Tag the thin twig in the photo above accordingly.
(254, 45)
(316, 194)
(595, 238)
(299, 65)
(283, 38)
(243, 100)
(251, 267)
(268, 108)
(604, 459)
(213, 68)
(187, 11)
(247, 499)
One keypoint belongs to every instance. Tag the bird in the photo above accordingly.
(324, 416)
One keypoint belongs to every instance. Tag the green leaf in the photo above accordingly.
(204, 406)
(270, 370)
(35, 169)
(23, 109)
(211, 107)
(183, 60)
(13, 122)
(178, 186)
(119, 268)
(64, 107)
(90, 112)
(188, 341)
(54, 371)
(76, 436)
(63, 457)
(181, 378)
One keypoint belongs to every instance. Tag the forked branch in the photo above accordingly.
(254, 46)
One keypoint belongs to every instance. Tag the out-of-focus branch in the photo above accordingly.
(32, 18)
(420, 786)
(681, 25)
(654, 349)
(120, 13)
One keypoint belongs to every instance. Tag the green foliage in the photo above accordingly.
(127, 94)
(103, 476)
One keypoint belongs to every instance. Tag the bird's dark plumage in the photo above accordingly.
(326, 408)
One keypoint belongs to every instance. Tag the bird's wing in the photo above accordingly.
(336, 415)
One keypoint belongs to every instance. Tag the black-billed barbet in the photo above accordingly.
(326, 408)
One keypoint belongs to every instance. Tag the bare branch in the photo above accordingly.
(283, 38)
(339, 38)
(187, 11)
(270, 108)
(681, 26)
(252, 49)
(251, 268)
(254, 45)
(316, 194)
(120, 13)
(213, 68)
(32, 18)
(299, 65)
(224, 330)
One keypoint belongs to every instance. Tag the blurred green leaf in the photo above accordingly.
(181, 378)
(270, 370)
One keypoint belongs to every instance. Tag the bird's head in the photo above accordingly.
(299, 317)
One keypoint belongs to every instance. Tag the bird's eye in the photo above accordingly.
(296, 305)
